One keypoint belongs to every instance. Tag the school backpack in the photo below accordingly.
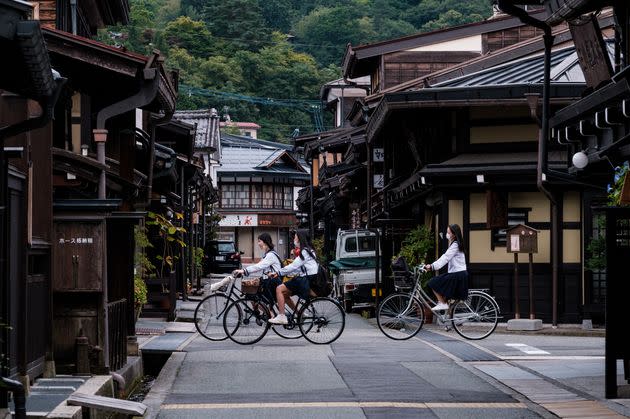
(321, 284)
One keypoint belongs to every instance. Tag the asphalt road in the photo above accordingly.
(365, 374)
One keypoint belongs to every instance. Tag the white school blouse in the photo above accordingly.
(270, 263)
(306, 266)
(456, 260)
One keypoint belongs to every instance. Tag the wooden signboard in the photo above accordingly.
(522, 239)
(591, 51)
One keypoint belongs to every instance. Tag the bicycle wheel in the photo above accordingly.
(209, 316)
(245, 321)
(287, 331)
(321, 320)
(400, 316)
(476, 317)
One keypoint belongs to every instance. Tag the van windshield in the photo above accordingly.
(366, 244)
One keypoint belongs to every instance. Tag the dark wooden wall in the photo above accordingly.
(499, 279)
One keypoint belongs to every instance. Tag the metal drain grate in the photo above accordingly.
(149, 331)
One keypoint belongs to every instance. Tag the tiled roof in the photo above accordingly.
(255, 157)
(207, 123)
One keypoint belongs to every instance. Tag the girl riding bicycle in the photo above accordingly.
(270, 262)
(306, 263)
(454, 284)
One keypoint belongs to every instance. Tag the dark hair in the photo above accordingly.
(305, 242)
(266, 238)
(457, 231)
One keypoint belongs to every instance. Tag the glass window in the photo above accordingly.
(226, 247)
(257, 196)
(288, 197)
(351, 244)
(277, 193)
(234, 196)
(267, 196)
(367, 244)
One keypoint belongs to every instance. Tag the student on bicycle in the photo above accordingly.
(306, 264)
(454, 284)
(270, 262)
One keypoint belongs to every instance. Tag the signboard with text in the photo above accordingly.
(239, 220)
(378, 155)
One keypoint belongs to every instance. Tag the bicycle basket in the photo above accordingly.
(403, 279)
(250, 286)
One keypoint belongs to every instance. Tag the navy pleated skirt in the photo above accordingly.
(453, 286)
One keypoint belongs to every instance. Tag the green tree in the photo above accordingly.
(238, 22)
(327, 30)
(431, 10)
(450, 18)
(191, 35)
(278, 14)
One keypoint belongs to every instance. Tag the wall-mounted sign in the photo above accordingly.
(379, 181)
(378, 155)
(239, 220)
(277, 220)
(77, 240)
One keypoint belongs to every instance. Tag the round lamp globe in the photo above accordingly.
(580, 160)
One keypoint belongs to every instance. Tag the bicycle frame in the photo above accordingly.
(421, 295)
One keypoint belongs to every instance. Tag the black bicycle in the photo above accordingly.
(210, 311)
(320, 320)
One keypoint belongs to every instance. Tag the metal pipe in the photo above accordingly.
(543, 138)
(73, 16)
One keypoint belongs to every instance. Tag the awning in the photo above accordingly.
(493, 167)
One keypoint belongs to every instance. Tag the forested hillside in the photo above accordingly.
(280, 49)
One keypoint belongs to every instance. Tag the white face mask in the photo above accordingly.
(448, 236)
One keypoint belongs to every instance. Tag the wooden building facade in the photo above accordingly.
(460, 145)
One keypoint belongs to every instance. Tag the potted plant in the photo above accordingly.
(143, 269)
(415, 248)
(171, 240)
(165, 241)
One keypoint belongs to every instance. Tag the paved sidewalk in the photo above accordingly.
(568, 381)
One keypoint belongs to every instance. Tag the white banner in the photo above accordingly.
(239, 220)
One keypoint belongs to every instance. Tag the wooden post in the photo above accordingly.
(532, 316)
(517, 311)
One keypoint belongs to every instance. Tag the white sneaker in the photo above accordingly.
(440, 306)
(279, 319)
